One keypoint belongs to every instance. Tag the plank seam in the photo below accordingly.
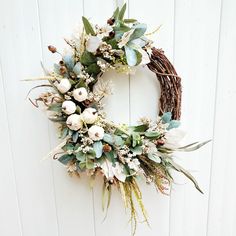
(214, 114)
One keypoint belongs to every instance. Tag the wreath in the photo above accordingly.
(89, 141)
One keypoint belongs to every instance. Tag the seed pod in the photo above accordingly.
(111, 34)
(63, 70)
(107, 148)
(110, 21)
(52, 49)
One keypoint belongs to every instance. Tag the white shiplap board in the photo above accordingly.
(39, 198)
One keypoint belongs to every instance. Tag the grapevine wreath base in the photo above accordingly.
(93, 144)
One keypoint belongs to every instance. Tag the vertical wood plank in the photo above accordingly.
(144, 96)
(117, 109)
(9, 205)
(20, 55)
(222, 204)
(196, 45)
(58, 20)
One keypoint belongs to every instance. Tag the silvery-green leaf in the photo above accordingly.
(152, 134)
(80, 156)
(116, 13)
(139, 31)
(69, 61)
(118, 140)
(77, 68)
(128, 21)
(89, 164)
(131, 56)
(108, 139)
(139, 42)
(173, 124)
(98, 147)
(154, 157)
(122, 12)
(65, 159)
(87, 26)
(137, 150)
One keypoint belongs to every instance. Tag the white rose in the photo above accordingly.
(93, 43)
(80, 94)
(64, 85)
(68, 107)
(90, 115)
(173, 138)
(74, 122)
(96, 132)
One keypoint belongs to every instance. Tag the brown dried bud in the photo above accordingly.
(107, 148)
(160, 142)
(111, 34)
(63, 70)
(52, 49)
(110, 21)
(61, 63)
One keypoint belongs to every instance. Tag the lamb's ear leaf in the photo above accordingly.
(122, 12)
(116, 13)
(87, 26)
(131, 56)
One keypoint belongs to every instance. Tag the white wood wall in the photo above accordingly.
(40, 199)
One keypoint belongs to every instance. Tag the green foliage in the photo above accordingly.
(88, 58)
(55, 107)
(65, 159)
(87, 26)
(122, 12)
(152, 134)
(98, 148)
(93, 69)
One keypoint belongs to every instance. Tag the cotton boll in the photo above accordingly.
(93, 44)
(74, 122)
(80, 94)
(90, 115)
(68, 107)
(64, 85)
(96, 133)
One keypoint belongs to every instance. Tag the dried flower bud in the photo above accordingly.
(107, 148)
(52, 49)
(160, 142)
(61, 63)
(111, 34)
(110, 21)
(63, 70)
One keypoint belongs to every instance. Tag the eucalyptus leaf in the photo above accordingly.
(87, 26)
(166, 117)
(111, 156)
(154, 157)
(77, 68)
(108, 139)
(75, 136)
(98, 148)
(138, 150)
(69, 61)
(173, 124)
(80, 156)
(55, 107)
(68, 147)
(152, 134)
(140, 128)
(65, 159)
(89, 164)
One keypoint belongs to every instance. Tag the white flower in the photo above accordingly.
(68, 107)
(90, 115)
(80, 94)
(104, 31)
(64, 85)
(74, 122)
(173, 138)
(96, 132)
(134, 164)
(93, 43)
(145, 57)
(110, 171)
